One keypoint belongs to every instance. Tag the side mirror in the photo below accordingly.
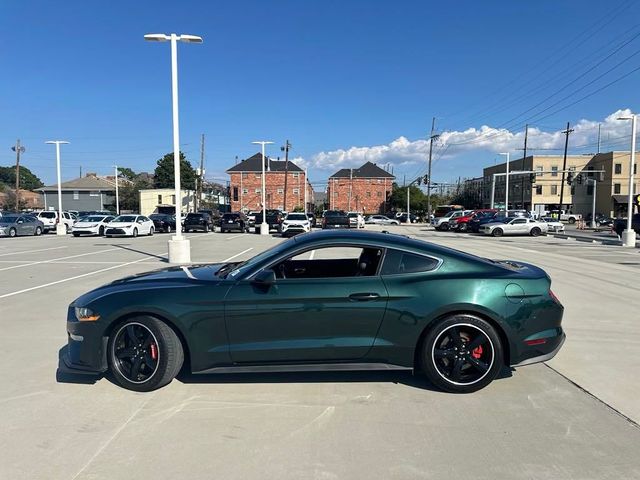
(265, 278)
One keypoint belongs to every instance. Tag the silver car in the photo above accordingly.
(14, 225)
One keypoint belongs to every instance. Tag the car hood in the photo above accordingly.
(122, 224)
(86, 224)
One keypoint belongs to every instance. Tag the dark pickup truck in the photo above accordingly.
(335, 219)
(274, 219)
(620, 224)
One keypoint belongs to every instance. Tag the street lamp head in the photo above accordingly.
(503, 153)
(156, 37)
(626, 118)
(61, 142)
(262, 143)
(190, 39)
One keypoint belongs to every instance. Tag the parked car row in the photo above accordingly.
(496, 223)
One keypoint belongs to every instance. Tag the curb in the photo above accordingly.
(597, 241)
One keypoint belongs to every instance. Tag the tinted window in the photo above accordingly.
(48, 214)
(9, 218)
(194, 216)
(230, 216)
(397, 262)
(296, 216)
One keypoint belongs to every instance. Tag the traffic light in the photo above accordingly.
(532, 177)
(419, 180)
(579, 179)
(425, 179)
(569, 178)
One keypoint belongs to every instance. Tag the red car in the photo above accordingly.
(461, 224)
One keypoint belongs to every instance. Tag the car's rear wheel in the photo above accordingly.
(144, 354)
(167, 229)
(535, 231)
(462, 354)
(151, 231)
(101, 231)
(135, 232)
(462, 227)
(444, 227)
(37, 232)
(572, 220)
(497, 232)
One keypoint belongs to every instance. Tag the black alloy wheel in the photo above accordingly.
(144, 354)
(462, 354)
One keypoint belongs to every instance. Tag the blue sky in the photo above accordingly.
(345, 81)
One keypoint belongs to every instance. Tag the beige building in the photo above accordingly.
(542, 190)
(163, 200)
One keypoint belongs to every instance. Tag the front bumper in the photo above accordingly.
(85, 231)
(86, 346)
(293, 231)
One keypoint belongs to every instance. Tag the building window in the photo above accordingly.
(379, 194)
(634, 168)
(280, 190)
(245, 191)
(589, 189)
(257, 175)
(257, 190)
(173, 199)
(538, 189)
(159, 199)
(618, 168)
(589, 173)
(235, 194)
(379, 181)
(245, 175)
(554, 171)
(94, 193)
(76, 195)
(296, 191)
(295, 174)
(617, 188)
(554, 189)
(539, 171)
(368, 194)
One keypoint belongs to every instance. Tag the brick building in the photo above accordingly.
(246, 185)
(365, 189)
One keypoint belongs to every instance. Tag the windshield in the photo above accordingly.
(241, 268)
(296, 216)
(125, 218)
(92, 219)
(334, 213)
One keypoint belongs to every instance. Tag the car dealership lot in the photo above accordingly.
(533, 423)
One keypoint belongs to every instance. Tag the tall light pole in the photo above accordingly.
(61, 228)
(179, 247)
(629, 235)
(264, 226)
(117, 195)
(506, 191)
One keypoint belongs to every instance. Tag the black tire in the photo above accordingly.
(535, 231)
(76, 235)
(37, 232)
(497, 232)
(156, 367)
(151, 230)
(108, 236)
(67, 228)
(135, 233)
(479, 362)
(167, 229)
(572, 220)
(444, 227)
(13, 232)
(101, 231)
(463, 227)
(206, 229)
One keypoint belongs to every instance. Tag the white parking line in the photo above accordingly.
(234, 236)
(233, 256)
(31, 251)
(60, 258)
(37, 287)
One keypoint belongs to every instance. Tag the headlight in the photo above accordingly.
(84, 314)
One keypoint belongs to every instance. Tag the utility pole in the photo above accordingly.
(117, 173)
(285, 149)
(18, 149)
(524, 159)
(201, 174)
(431, 138)
(350, 187)
(564, 162)
(599, 125)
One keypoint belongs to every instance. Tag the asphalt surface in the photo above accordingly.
(574, 418)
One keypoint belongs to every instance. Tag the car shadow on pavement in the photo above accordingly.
(64, 375)
(404, 377)
(124, 247)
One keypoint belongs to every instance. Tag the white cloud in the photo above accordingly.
(403, 152)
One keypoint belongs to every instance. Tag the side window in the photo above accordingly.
(397, 262)
(331, 262)
(520, 220)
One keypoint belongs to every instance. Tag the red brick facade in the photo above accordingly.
(368, 195)
(246, 193)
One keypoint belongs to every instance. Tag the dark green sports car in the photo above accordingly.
(331, 300)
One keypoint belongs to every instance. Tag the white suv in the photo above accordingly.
(49, 218)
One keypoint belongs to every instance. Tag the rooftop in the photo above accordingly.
(368, 170)
(254, 164)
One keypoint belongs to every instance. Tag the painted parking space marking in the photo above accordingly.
(31, 251)
(54, 259)
(234, 256)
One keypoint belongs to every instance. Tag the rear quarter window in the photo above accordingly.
(397, 263)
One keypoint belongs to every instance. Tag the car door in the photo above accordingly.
(309, 316)
(519, 226)
(21, 226)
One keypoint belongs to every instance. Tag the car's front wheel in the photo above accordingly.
(535, 231)
(497, 232)
(144, 354)
(37, 232)
(135, 233)
(461, 354)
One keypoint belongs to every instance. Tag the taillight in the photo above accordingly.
(554, 297)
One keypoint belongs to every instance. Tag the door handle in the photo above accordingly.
(363, 297)
(299, 270)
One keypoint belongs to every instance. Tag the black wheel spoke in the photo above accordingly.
(132, 334)
(456, 370)
(126, 353)
(448, 353)
(147, 341)
(135, 368)
(478, 364)
(479, 340)
(149, 361)
(455, 336)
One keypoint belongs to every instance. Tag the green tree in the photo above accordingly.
(126, 172)
(417, 198)
(129, 194)
(164, 177)
(28, 181)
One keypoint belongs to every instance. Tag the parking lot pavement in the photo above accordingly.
(533, 424)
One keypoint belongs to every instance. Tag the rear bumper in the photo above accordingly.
(546, 353)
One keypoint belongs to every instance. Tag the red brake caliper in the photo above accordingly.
(477, 352)
(154, 351)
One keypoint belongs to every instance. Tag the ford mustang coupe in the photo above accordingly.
(330, 300)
